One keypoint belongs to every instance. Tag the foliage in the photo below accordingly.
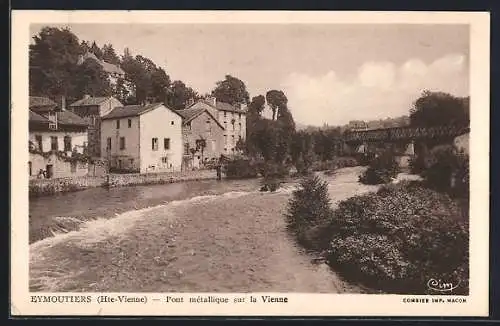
(54, 71)
(308, 209)
(335, 163)
(448, 172)
(399, 238)
(276, 100)
(231, 90)
(92, 79)
(180, 94)
(242, 169)
(381, 170)
(53, 58)
(437, 108)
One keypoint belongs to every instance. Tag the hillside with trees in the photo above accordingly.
(54, 71)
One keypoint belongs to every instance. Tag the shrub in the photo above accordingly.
(399, 238)
(448, 172)
(381, 170)
(308, 209)
(241, 169)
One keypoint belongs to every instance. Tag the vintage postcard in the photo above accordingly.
(176, 163)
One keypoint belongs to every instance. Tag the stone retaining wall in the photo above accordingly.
(46, 187)
(132, 179)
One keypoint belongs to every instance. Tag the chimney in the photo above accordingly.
(189, 102)
(86, 96)
(61, 103)
(212, 100)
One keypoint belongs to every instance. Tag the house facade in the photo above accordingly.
(142, 138)
(232, 119)
(92, 109)
(57, 143)
(202, 137)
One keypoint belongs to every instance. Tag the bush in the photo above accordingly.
(381, 170)
(448, 172)
(399, 238)
(336, 163)
(308, 209)
(241, 169)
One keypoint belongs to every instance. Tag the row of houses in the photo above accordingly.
(71, 140)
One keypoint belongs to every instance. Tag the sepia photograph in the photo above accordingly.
(259, 158)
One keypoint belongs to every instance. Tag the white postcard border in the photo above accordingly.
(298, 304)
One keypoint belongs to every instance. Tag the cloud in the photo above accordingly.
(378, 90)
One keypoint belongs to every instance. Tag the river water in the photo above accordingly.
(204, 236)
(52, 213)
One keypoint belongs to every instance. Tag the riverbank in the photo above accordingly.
(233, 242)
(49, 187)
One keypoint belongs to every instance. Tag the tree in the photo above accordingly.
(92, 79)
(180, 94)
(276, 100)
(231, 90)
(109, 54)
(438, 108)
(94, 48)
(53, 58)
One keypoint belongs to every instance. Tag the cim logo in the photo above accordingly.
(441, 286)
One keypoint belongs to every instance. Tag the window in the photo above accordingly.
(239, 116)
(53, 143)
(129, 123)
(172, 122)
(166, 143)
(131, 162)
(117, 124)
(108, 143)
(164, 159)
(67, 143)
(38, 139)
(154, 144)
(30, 168)
(186, 148)
(189, 125)
(122, 143)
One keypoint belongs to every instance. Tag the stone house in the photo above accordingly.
(203, 133)
(57, 140)
(232, 118)
(92, 109)
(142, 138)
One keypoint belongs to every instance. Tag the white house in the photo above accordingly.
(56, 137)
(142, 138)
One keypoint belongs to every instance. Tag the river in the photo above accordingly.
(188, 237)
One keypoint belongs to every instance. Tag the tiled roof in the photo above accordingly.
(89, 101)
(108, 67)
(111, 68)
(222, 106)
(69, 118)
(39, 101)
(134, 110)
(35, 117)
(191, 113)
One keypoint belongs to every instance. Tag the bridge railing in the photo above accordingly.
(403, 133)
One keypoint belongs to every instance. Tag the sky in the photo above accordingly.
(330, 73)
